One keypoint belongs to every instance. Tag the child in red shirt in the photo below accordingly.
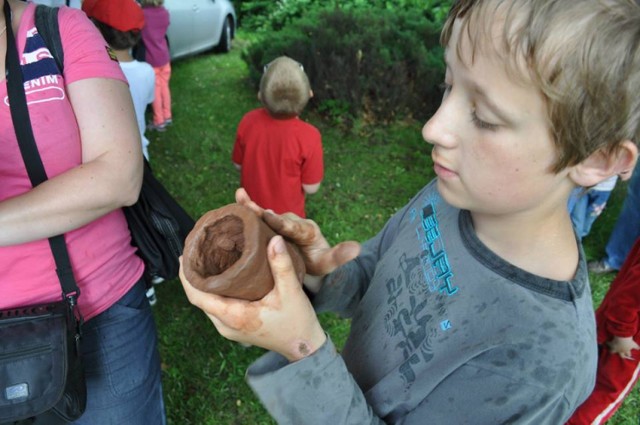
(618, 320)
(279, 155)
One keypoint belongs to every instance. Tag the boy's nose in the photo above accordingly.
(439, 129)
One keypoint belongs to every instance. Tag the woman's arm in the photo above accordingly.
(109, 177)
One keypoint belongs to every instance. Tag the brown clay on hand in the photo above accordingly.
(226, 254)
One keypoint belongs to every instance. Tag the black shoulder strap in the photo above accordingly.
(47, 25)
(29, 150)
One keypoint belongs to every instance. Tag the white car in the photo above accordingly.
(200, 25)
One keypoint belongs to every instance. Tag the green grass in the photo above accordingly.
(370, 172)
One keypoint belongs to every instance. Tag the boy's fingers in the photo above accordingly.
(242, 198)
(284, 275)
(234, 314)
(302, 232)
(230, 311)
(333, 258)
(221, 327)
(345, 252)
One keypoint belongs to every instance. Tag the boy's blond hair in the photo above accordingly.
(155, 3)
(284, 88)
(584, 55)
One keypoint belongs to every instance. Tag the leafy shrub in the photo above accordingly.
(379, 64)
(270, 15)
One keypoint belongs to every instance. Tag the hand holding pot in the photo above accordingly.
(282, 321)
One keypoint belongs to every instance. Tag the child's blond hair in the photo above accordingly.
(155, 3)
(284, 88)
(584, 55)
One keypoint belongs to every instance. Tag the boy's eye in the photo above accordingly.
(483, 125)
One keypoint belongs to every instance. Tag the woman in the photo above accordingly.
(85, 128)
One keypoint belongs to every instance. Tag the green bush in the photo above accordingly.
(269, 15)
(380, 64)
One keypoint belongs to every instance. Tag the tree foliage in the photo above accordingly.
(273, 15)
(377, 62)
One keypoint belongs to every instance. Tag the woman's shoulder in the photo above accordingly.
(70, 18)
(86, 54)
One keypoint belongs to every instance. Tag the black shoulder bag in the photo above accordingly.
(158, 224)
(40, 367)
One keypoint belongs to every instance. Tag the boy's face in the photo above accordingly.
(492, 147)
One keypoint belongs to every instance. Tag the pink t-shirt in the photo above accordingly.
(104, 262)
(154, 32)
(277, 157)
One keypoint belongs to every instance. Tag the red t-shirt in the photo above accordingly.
(619, 312)
(277, 157)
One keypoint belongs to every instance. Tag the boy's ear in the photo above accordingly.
(601, 164)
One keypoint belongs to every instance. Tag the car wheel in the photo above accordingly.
(224, 45)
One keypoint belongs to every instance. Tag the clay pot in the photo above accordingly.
(226, 254)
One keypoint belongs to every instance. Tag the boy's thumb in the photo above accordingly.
(281, 265)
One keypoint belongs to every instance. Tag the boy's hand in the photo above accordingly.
(623, 346)
(282, 321)
(319, 257)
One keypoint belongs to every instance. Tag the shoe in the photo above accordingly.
(600, 267)
(168, 122)
(157, 127)
(151, 296)
(156, 280)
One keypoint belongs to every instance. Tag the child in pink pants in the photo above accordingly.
(154, 33)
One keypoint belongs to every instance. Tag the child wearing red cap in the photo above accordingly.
(157, 54)
(121, 23)
(123, 15)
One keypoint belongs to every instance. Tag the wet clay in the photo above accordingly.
(226, 254)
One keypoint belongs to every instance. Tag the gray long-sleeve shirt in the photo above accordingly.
(443, 332)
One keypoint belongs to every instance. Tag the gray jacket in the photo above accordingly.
(443, 331)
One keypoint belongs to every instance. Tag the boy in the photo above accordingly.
(120, 22)
(279, 155)
(472, 305)
(618, 320)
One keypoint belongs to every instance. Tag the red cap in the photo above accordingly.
(123, 15)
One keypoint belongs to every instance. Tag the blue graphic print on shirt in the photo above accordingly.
(435, 264)
(413, 315)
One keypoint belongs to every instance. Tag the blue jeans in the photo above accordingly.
(627, 227)
(122, 363)
(585, 207)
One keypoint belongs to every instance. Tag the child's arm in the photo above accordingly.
(618, 314)
(623, 346)
(237, 154)
(310, 189)
(312, 171)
